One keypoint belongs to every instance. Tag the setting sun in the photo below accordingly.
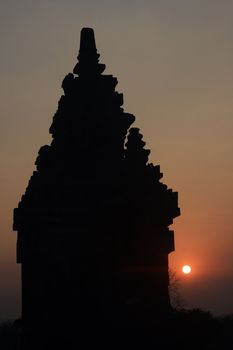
(186, 269)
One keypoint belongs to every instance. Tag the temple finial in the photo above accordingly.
(87, 41)
(88, 56)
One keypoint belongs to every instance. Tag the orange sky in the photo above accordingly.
(174, 63)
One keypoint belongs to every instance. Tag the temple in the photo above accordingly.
(93, 225)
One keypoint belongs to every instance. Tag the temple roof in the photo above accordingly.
(94, 157)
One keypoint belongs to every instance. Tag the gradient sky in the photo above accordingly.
(174, 63)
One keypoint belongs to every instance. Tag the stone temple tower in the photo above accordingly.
(93, 224)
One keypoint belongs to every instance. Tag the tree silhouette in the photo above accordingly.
(176, 298)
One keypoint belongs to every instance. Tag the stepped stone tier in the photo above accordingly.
(93, 224)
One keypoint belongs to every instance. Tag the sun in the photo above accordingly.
(186, 269)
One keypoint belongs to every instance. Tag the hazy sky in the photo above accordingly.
(174, 63)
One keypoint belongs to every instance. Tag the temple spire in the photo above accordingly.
(88, 57)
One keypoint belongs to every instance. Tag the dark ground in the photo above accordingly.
(183, 329)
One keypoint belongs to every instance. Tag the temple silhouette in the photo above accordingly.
(93, 224)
